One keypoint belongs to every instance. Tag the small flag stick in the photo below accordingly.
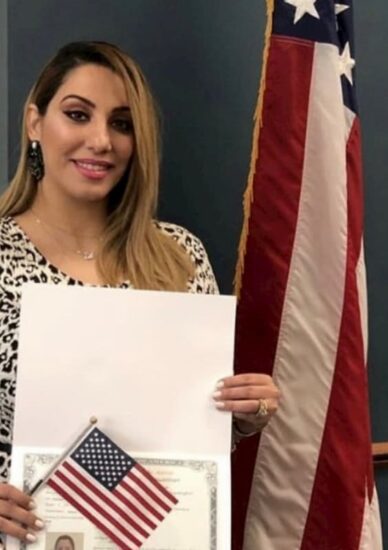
(38, 484)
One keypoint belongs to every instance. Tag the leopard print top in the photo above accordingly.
(21, 262)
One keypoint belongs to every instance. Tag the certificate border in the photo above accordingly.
(32, 460)
(210, 469)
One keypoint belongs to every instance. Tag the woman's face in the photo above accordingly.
(64, 545)
(86, 134)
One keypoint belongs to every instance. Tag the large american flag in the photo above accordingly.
(302, 313)
(112, 490)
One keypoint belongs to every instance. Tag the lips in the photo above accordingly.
(92, 164)
(92, 169)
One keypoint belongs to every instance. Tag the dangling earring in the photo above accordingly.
(35, 160)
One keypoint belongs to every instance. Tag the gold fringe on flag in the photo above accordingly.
(248, 195)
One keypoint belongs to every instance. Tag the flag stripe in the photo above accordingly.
(104, 498)
(170, 497)
(272, 226)
(363, 304)
(345, 440)
(371, 537)
(93, 504)
(127, 486)
(147, 489)
(273, 220)
(135, 505)
(130, 505)
(110, 532)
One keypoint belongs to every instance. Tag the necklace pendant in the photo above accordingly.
(86, 255)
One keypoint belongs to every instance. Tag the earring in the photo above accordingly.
(35, 160)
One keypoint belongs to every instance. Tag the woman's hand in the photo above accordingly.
(16, 518)
(252, 398)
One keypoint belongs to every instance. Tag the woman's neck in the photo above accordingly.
(78, 218)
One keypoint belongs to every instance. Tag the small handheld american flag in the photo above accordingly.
(112, 490)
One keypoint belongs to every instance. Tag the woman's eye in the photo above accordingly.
(77, 116)
(123, 125)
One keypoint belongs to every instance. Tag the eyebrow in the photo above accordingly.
(123, 108)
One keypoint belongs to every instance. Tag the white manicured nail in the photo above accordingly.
(32, 505)
(220, 405)
(39, 524)
(216, 394)
(220, 384)
(30, 537)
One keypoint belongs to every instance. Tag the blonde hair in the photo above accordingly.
(132, 246)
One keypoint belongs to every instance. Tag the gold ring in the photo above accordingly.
(262, 409)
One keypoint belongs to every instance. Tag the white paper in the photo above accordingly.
(145, 363)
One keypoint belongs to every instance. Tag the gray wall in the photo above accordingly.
(203, 60)
(372, 26)
(3, 91)
(371, 29)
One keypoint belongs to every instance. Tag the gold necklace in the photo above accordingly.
(86, 255)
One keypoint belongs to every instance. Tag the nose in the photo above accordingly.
(99, 138)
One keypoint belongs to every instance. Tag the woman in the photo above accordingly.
(80, 210)
(64, 542)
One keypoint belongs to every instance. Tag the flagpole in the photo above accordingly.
(40, 482)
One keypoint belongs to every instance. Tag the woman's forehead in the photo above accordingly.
(96, 83)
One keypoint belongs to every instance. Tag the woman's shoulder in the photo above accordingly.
(8, 233)
(182, 235)
(16, 253)
(5, 225)
(8, 249)
(12, 237)
(204, 280)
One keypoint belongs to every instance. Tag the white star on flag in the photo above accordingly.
(347, 63)
(339, 8)
(303, 7)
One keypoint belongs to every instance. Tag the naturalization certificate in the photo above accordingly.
(191, 525)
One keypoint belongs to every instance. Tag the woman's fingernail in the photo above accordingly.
(31, 537)
(32, 505)
(217, 394)
(220, 405)
(220, 384)
(39, 524)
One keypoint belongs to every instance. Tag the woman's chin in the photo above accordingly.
(93, 193)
